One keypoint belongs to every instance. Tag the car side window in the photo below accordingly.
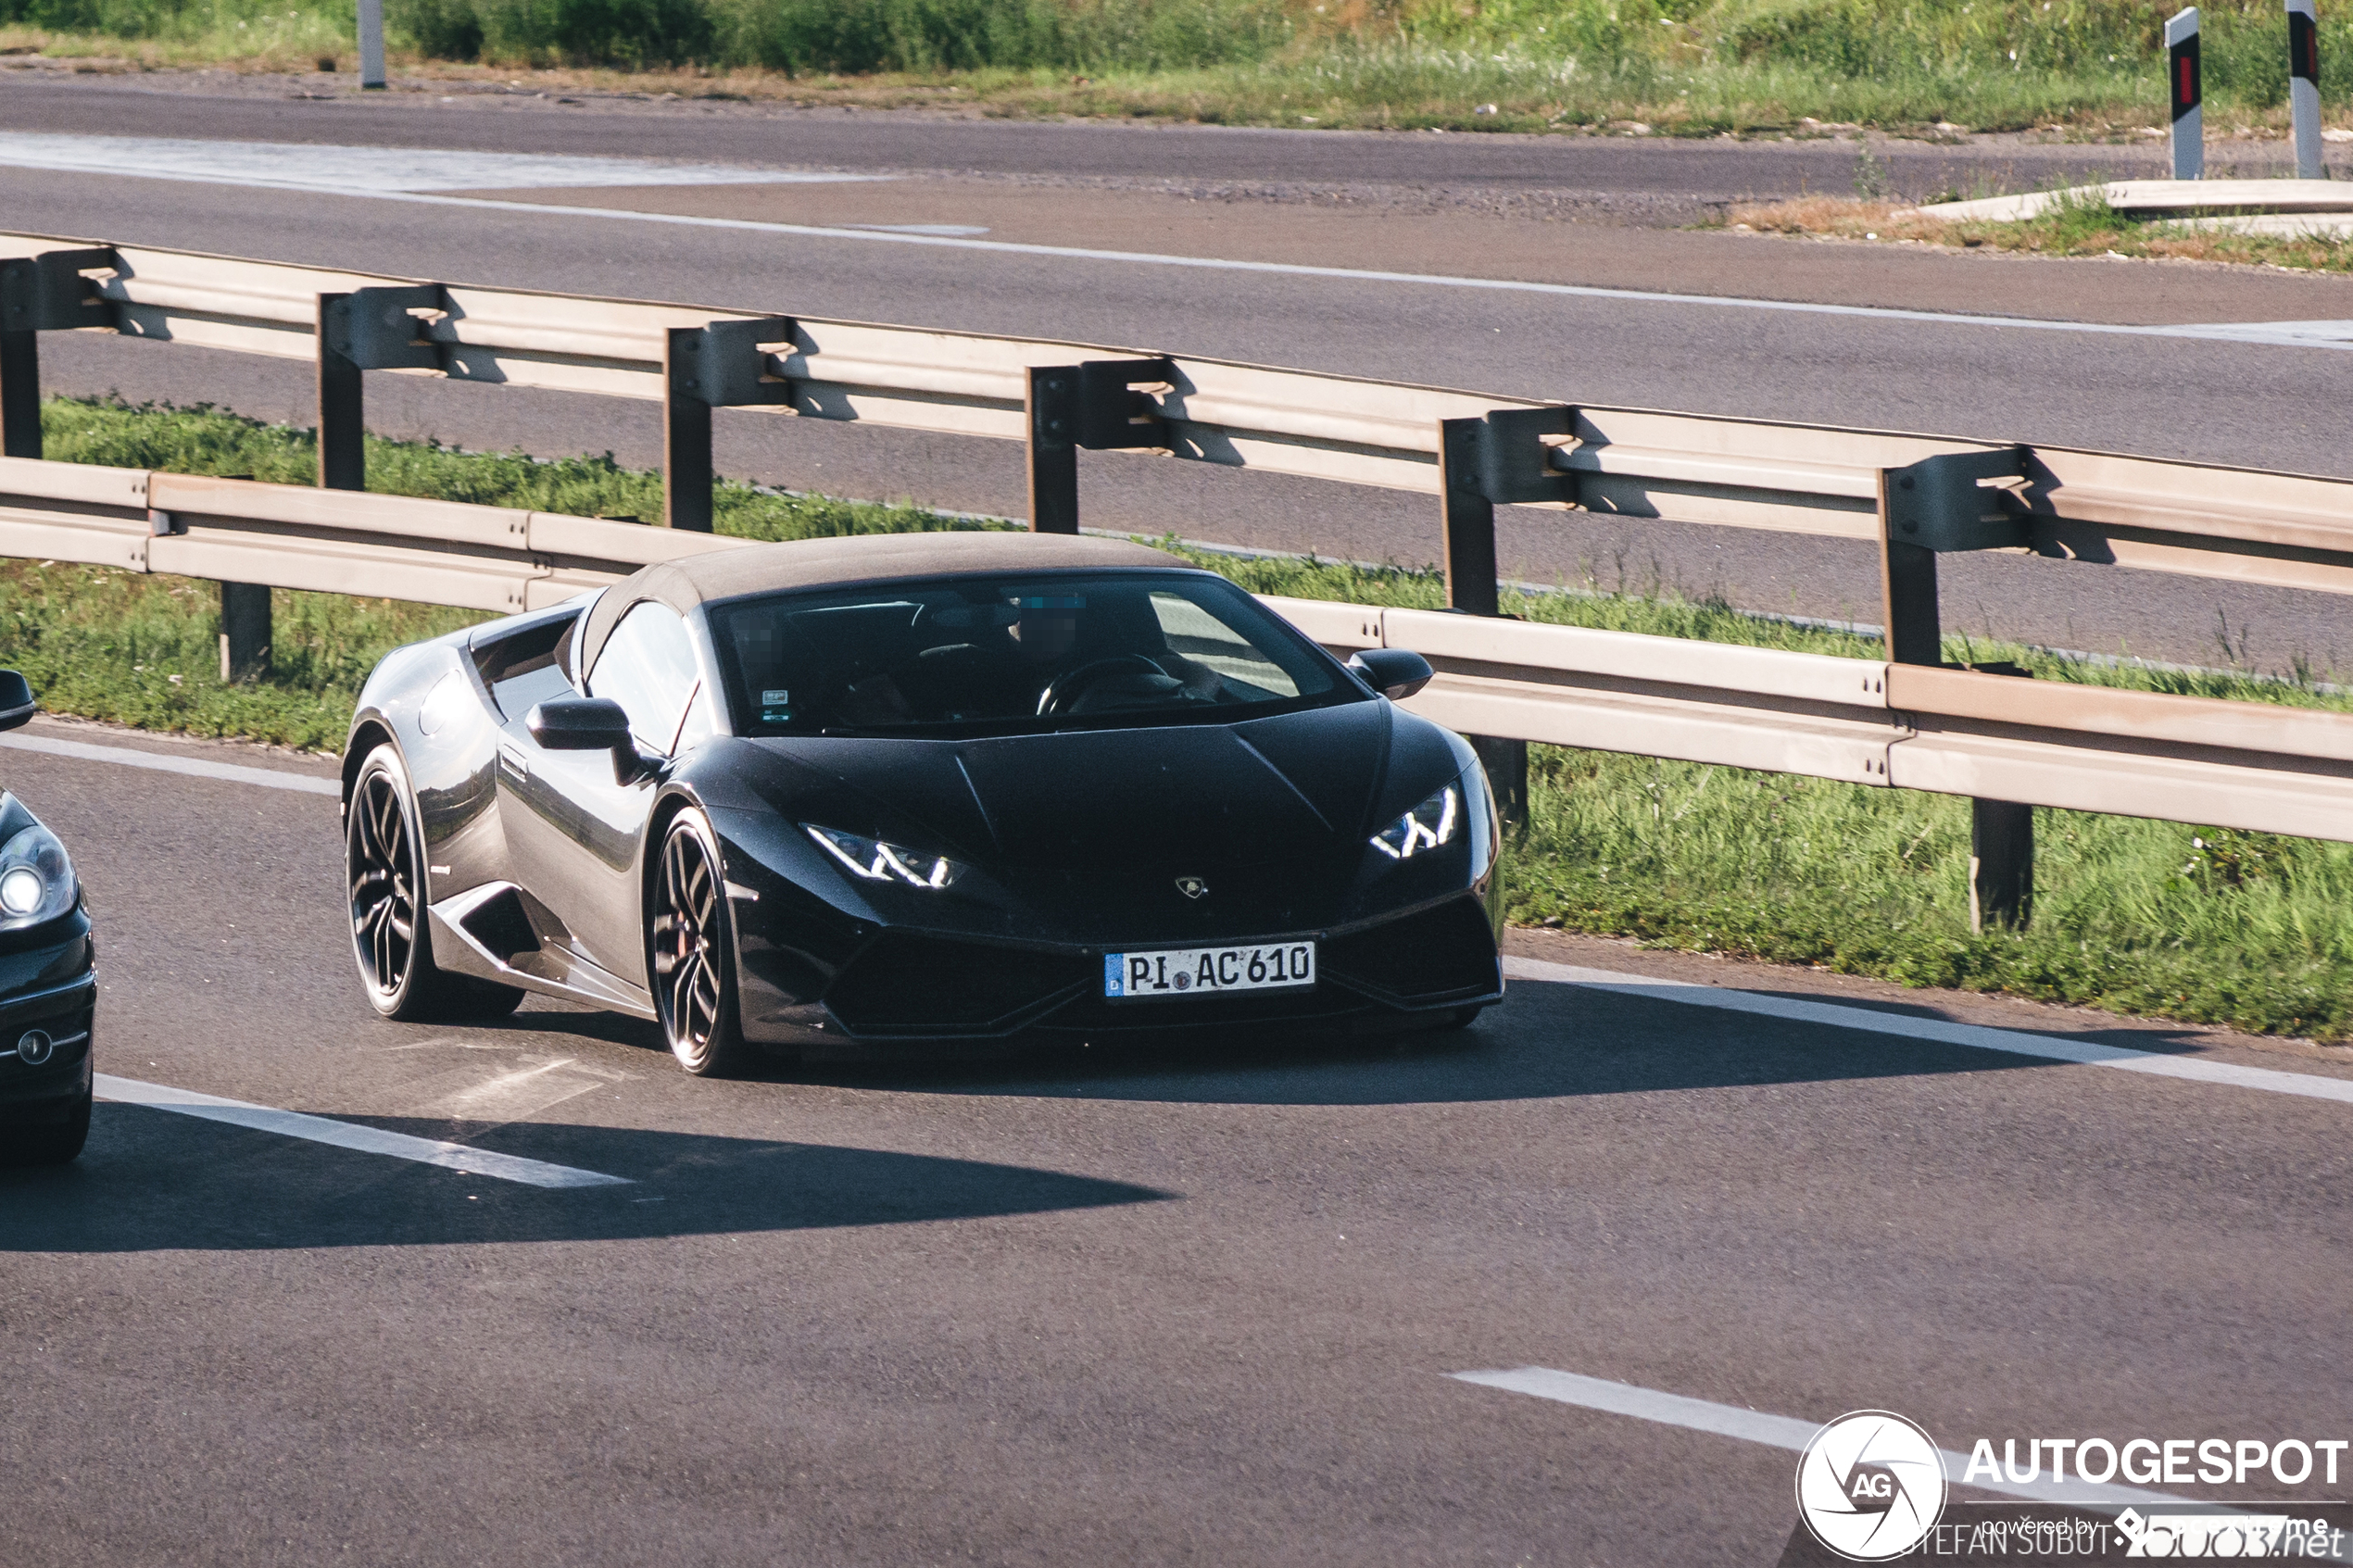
(648, 666)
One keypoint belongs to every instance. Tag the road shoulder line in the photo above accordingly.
(197, 767)
(1691, 993)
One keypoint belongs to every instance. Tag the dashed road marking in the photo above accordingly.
(1778, 1432)
(351, 1134)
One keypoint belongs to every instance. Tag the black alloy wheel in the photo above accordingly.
(692, 946)
(385, 869)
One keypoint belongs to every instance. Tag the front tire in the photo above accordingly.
(391, 940)
(24, 1144)
(690, 940)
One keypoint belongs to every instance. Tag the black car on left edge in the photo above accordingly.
(48, 980)
(929, 794)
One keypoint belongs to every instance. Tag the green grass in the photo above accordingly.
(2082, 222)
(1688, 67)
(2152, 918)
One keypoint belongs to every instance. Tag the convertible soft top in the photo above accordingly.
(869, 558)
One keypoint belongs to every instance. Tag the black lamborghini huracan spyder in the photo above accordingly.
(917, 793)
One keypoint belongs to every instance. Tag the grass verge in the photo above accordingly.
(2081, 226)
(1673, 66)
(2151, 918)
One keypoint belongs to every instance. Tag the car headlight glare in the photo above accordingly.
(871, 860)
(36, 879)
(1435, 821)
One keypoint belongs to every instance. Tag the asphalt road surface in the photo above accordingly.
(1450, 208)
(1093, 1309)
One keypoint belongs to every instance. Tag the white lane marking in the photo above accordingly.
(81, 751)
(952, 230)
(1776, 1431)
(350, 1135)
(2257, 332)
(359, 171)
(1693, 994)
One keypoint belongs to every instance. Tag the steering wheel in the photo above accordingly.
(1064, 689)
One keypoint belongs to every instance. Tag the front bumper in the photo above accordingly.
(52, 987)
(916, 993)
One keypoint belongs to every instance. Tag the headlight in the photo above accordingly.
(36, 879)
(871, 860)
(1428, 825)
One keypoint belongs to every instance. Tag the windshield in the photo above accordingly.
(984, 655)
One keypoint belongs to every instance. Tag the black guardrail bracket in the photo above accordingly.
(50, 293)
(377, 328)
(1940, 504)
(722, 363)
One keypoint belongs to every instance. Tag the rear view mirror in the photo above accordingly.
(1396, 673)
(590, 723)
(15, 699)
(578, 724)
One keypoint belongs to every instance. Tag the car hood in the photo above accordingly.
(1210, 795)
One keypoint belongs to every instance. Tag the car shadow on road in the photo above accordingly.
(1548, 1040)
(152, 1180)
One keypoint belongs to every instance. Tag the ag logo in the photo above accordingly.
(1870, 1485)
(1193, 886)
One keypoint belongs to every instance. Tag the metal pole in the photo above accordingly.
(371, 44)
(1469, 538)
(245, 631)
(685, 433)
(1470, 519)
(1051, 401)
(343, 455)
(2182, 72)
(19, 393)
(2001, 865)
(2304, 87)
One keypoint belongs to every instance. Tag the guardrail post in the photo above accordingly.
(1502, 457)
(39, 293)
(719, 364)
(19, 393)
(685, 433)
(1095, 405)
(1050, 400)
(1935, 506)
(369, 329)
(343, 453)
(245, 631)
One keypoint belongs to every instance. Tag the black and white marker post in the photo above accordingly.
(2304, 87)
(2181, 66)
(371, 44)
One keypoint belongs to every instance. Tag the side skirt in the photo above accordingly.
(483, 932)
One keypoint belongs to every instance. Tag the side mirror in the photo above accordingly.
(1396, 673)
(15, 699)
(587, 723)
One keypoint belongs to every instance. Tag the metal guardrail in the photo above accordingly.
(1871, 722)
(1867, 721)
(1903, 723)
(2244, 525)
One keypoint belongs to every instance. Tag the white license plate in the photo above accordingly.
(1170, 973)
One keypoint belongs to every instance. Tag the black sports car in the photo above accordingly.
(48, 982)
(916, 794)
